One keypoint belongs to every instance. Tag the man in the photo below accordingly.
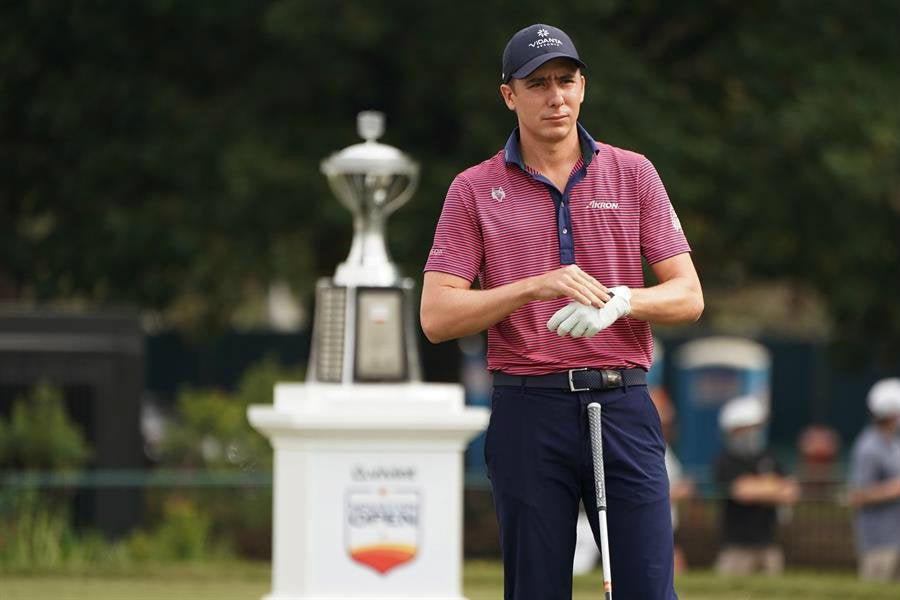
(554, 226)
(753, 489)
(875, 485)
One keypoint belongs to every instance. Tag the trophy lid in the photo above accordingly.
(369, 157)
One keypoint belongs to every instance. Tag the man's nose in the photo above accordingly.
(556, 96)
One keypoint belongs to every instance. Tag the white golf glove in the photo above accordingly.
(582, 320)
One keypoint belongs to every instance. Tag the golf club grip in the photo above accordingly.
(593, 410)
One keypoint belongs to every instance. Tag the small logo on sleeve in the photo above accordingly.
(498, 194)
(436, 252)
(676, 222)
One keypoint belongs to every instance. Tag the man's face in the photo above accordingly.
(747, 440)
(548, 100)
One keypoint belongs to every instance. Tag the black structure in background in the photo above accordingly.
(175, 360)
(97, 359)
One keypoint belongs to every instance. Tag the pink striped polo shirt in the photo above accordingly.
(502, 222)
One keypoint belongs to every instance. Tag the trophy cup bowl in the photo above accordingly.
(372, 180)
(363, 327)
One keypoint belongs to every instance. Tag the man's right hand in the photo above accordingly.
(569, 281)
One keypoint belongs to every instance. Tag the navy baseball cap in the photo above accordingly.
(531, 47)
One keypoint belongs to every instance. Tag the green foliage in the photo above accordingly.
(36, 535)
(210, 431)
(209, 425)
(31, 533)
(184, 533)
(40, 435)
(183, 176)
(35, 526)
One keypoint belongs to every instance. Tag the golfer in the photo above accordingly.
(554, 226)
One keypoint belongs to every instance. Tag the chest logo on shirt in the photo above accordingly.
(498, 194)
(597, 205)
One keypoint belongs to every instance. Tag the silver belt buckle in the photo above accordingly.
(572, 387)
(613, 379)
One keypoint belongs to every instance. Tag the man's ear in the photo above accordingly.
(583, 87)
(509, 96)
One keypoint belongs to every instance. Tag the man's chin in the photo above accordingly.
(557, 132)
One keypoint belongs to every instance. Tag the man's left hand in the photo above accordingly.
(581, 320)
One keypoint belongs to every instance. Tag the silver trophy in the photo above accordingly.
(363, 328)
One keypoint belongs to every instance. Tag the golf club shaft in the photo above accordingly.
(604, 558)
(594, 422)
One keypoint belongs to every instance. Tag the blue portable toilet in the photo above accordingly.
(710, 372)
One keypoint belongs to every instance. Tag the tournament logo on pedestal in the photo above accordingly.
(382, 526)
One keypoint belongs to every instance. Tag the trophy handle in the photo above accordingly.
(404, 196)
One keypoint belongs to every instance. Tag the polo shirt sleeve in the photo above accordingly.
(661, 234)
(458, 248)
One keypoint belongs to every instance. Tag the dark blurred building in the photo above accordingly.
(97, 360)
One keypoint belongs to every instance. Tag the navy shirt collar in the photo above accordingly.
(513, 155)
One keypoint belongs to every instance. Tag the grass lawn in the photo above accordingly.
(246, 581)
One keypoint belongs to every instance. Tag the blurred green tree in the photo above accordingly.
(40, 435)
(166, 153)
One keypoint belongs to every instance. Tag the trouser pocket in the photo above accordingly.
(510, 449)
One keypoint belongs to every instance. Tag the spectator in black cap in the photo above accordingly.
(753, 489)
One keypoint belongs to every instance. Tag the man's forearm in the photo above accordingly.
(764, 489)
(454, 313)
(876, 494)
(678, 300)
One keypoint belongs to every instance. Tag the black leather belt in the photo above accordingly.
(577, 380)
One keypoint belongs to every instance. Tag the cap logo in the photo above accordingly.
(543, 41)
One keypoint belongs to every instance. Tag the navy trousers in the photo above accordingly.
(538, 456)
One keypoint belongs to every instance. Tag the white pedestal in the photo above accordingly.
(368, 483)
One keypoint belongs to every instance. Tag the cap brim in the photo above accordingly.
(533, 64)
